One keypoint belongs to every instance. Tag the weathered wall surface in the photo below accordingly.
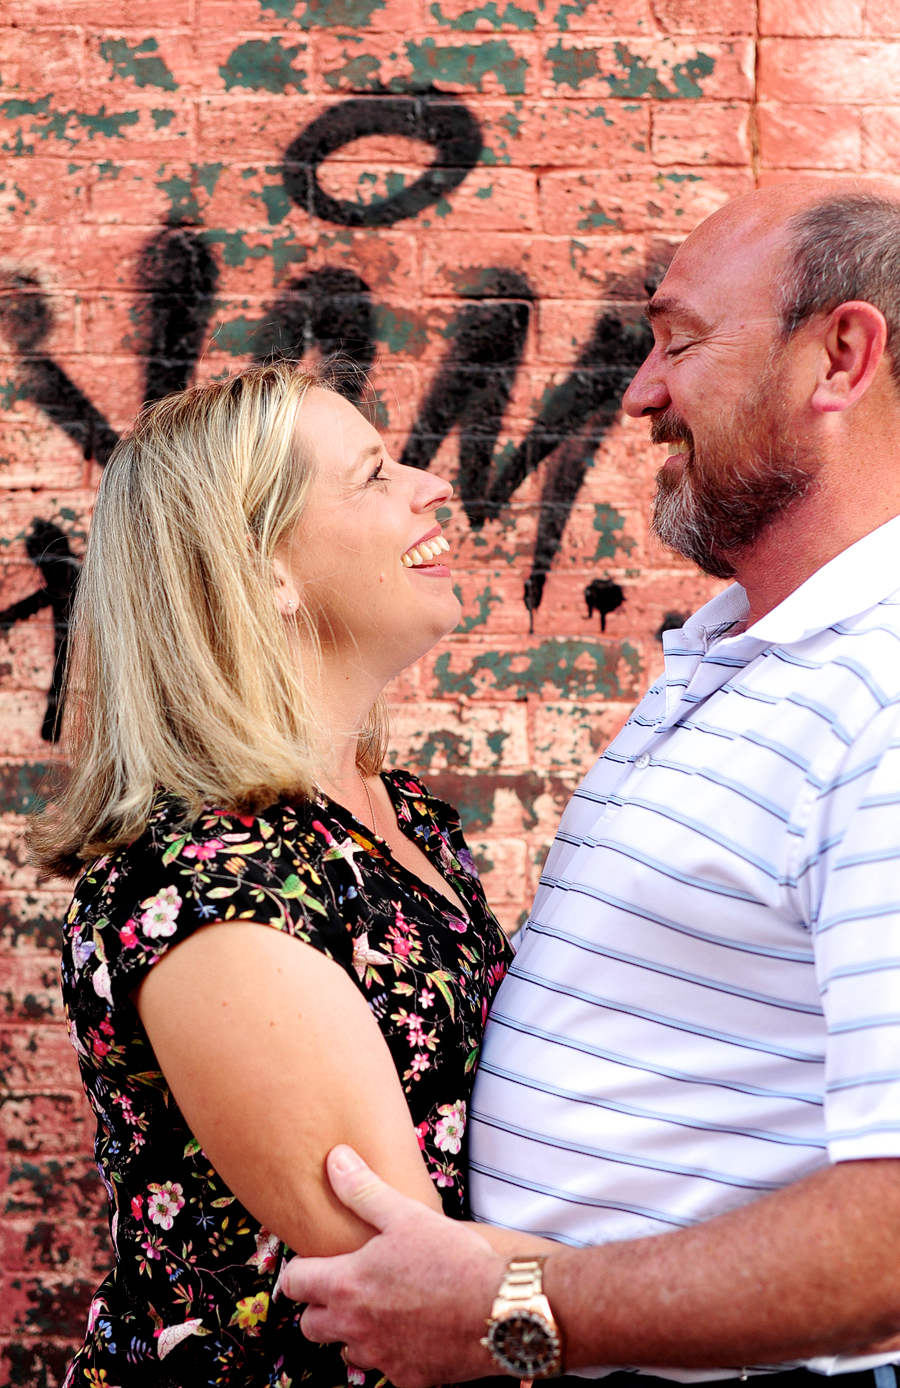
(224, 177)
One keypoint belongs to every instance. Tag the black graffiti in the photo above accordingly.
(328, 310)
(436, 118)
(331, 310)
(604, 596)
(48, 549)
(474, 383)
(179, 276)
(26, 320)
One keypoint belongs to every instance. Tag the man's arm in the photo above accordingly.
(809, 1270)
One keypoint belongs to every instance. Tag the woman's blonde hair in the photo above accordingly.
(183, 674)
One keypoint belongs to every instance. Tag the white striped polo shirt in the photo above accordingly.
(705, 1004)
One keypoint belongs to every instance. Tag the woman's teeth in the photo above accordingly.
(425, 552)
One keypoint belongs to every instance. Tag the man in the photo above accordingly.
(692, 1073)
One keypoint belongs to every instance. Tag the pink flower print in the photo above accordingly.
(164, 1202)
(442, 1178)
(414, 1023)
(160, 913)
(355, 1376)
(426, 998)
(448, 1131)
(107, 1027)
(128, 934)
(204, 851)
(398, 944)
(458, 924)
(421, 1134)
(420, 1062)
(150, 1245)
(137, 1206)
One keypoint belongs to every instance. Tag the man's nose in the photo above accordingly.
(647, 393)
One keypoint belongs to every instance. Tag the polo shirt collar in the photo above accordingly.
(850, 583)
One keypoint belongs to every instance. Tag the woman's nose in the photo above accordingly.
(647, 393)
(433, 492)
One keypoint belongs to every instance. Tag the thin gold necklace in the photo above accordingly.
(368, 799)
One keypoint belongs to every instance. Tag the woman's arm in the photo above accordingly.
(273, 1057)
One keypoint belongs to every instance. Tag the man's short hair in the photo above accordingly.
(844, 248)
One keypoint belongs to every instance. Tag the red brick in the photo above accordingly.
(800, 70)
(706, 16)
(672, 202)
(553, 133)
(32, 920)
(245, 126)
(882, 17)
(666, 68)
(55, 1124)
(38, 61)
(36, 1057)
(395, 16)
(30, 988)
(507, 64)
(600, 17)
(435, 736)
(881, 139)
(702, 133)
(159, 14)
(810, 137)
(813, 18)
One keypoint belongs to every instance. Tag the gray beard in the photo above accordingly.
(720, 506)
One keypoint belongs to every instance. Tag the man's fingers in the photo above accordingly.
(310, 1279)
(357, 1187)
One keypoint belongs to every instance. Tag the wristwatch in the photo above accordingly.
(521, 1334)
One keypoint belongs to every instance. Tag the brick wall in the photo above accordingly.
(224, 176)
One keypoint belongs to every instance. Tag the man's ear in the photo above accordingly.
(286, 596)
(852, 348)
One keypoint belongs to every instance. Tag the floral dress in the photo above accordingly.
(190, 1300)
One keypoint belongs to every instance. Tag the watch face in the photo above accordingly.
(524, 1343)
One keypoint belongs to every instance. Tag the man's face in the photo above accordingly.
(720, 390)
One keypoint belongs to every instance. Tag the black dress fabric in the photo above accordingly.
(190, 1301)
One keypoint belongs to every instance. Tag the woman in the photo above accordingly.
(271, 947)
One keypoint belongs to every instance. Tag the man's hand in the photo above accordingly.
(413, 1301)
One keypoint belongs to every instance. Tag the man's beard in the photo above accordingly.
(733, 486)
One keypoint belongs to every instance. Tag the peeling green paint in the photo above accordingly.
(572, 66)
(162, 117)
(207, 175)
(401, 332)
(264, 65)
(183, 207)
(573, 9)
(359, 74)
(609, 524)
(325, 14)
(277, 203)
(22, 788)
(127, 62)
(449, 747)
(240, 337)
(57, 122)
(468, 20)
(569, 668)
(486, 192)
(594, 217)
(485, 599)
(466, 65)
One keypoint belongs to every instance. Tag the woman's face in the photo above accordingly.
(350, 557)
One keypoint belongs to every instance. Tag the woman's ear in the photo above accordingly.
(286, 596)
(852, 349)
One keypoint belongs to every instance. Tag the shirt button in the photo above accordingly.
(642, 761)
